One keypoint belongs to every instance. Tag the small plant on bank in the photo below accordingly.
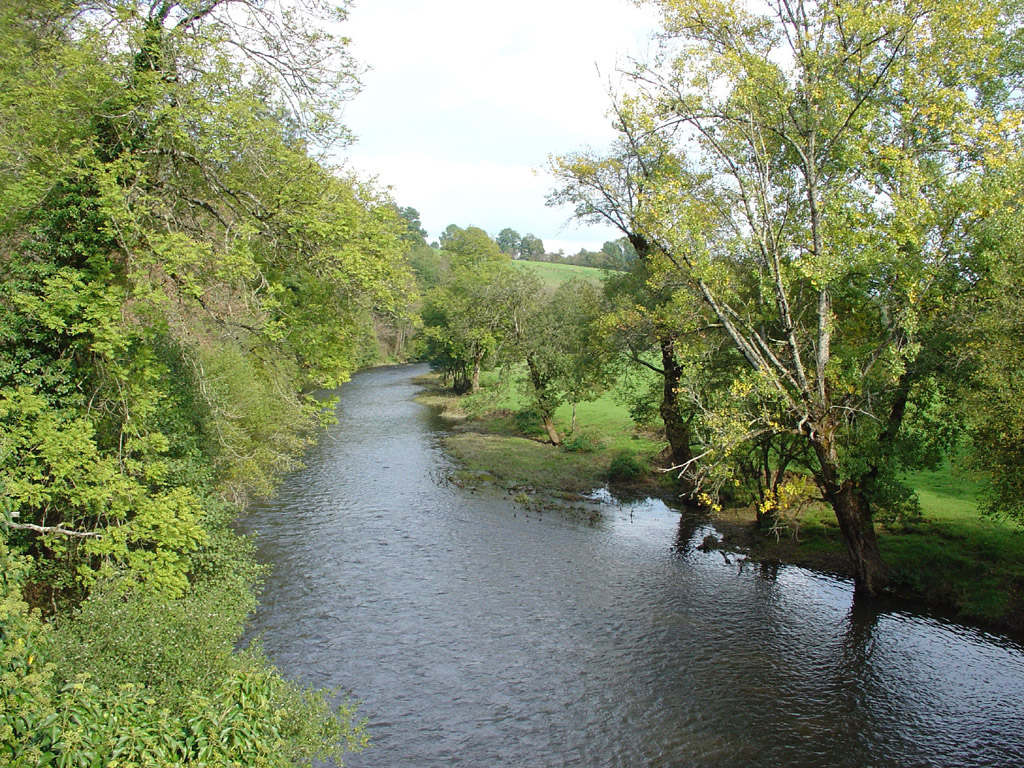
(624, 468)
(785, 506)
(582, 441)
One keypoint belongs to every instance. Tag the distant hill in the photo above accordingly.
(554, 275)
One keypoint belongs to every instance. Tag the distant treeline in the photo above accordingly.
(615, 254)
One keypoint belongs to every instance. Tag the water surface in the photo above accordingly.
(477, 632)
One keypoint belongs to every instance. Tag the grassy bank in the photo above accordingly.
(952, 557)
(497, 436)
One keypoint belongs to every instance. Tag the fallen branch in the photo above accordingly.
(52, 529)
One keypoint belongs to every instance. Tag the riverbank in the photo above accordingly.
(952, 558)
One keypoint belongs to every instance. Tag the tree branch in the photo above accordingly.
(51, 529)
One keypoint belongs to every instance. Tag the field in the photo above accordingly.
(553, 275)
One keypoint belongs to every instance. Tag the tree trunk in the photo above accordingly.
(870, 573)
(677, 430)
(549, 427)
(474, 385)
(853, 511)
(460, 382)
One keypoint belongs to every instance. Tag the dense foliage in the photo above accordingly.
(177, 268)
(812, 182)
(483, 312)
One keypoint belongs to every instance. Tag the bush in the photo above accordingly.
(582, 441)
(156, 684)
(25, 677)
(529, 422)
(254, 719)
(174, 647)
(625, 467)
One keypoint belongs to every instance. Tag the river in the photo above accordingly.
(477, 632)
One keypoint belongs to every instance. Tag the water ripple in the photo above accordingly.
(476, 636)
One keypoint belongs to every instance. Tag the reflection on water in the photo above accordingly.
(477, 632)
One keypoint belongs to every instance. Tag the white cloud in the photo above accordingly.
(466, 98)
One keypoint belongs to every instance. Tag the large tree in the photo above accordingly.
(615, 189)
(827, 153)
(461, 314)
(508, 240)
(531, 247)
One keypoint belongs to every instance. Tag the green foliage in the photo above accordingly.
(122, 635)
(529, 422)
(26, 692)
(790, 189)
(426, 264)
(177, 268)
(508, 241)
(582, 441)
(991, 349)
(531, 246)
(624, 468)
(462, 315)
(253, 719)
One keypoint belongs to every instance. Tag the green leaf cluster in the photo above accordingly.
(179, 270)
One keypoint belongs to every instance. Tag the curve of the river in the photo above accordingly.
(475, 632)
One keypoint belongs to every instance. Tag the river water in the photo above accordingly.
(477, 632)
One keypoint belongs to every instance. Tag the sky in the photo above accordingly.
(465, 100)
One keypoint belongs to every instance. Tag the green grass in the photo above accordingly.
(501, 438)
(957, 557)
(554, 275)
(952, 556)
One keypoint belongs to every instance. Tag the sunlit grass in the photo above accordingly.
(506, 439)
(952, 556)
(553, 275)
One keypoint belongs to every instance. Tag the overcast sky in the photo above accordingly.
(465, 100)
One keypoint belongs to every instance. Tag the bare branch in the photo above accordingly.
(51, 529)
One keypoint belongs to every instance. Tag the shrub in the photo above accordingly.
(625, 467)
(529, 422)
(582, 441)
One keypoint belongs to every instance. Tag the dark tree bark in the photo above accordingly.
(852, 507)
(677, 429)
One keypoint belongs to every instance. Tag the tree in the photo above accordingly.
(531, 247)
(833, 149)
(460, 315)
(577, 309)
(449, 232)
(471, 245)
(613, 254)
(533, 336)
(415, 234)
(615, 189)
(508, 241)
